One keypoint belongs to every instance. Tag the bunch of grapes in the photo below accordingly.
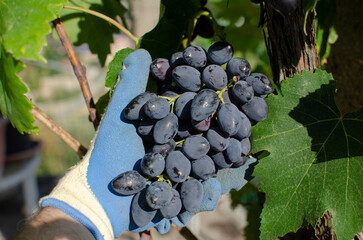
(199, 123)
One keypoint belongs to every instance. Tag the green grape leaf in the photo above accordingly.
(115, 67)
(315, 162)
(13, 103)
(26, 25)
(94, 31)
(166, 37)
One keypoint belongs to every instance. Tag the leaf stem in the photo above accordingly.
(79, 71)
(104, 17)
(59, 131)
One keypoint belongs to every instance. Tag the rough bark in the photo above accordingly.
(291, 48)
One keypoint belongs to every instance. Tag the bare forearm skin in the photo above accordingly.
(52, 223)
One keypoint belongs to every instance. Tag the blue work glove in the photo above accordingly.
(84, 192)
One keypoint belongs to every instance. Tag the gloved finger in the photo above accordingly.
(211, 194)
(236, 178)
(117, 146)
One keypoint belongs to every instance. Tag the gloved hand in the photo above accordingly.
(84, 192)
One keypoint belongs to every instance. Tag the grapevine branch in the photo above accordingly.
(59, 131)
(104, 17)
(79, 71)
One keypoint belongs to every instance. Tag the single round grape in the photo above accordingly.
(158, 194)
(260, 84)
(238, 67)
(191, 194)
(157, 108)
(173, 208)
(242, 92)
(214, 77)
(177, 59)
(183, 104)
(146, 126)
(165, 129)
(177, 166)
(244, 130)
(128, 183)
(233, 151)
(165, 148)
(220, 160)
(141, 213)
(195, 147)
(204, 27)
(256, 109)
(133, 109)
(169, 94)
(203, 125)
(246, 146)
(217, 139)
(203, 168)
(240, 162)
(160, 69)
(204, 104)
(220, 53)
(229, 118)
(152, 164)
(187, 77)
(195, 56)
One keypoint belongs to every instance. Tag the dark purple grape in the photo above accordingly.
(220, 160)
(128, 183)
(133, 109)
(217, 139)
(260, 84)
(177, 166)
(246, 146)
(165, 148)
(187, 77)
(256, 109)
(238, 67)
(169, 94)
(233, 151)
(203, 125)
(173, 208)
(244, 130)
(146, 126)
(195, 147)
(141, 213)
(195, 56)
(185, 129)
(158, 194)
(220, 53)
(204, 104)
(152, 164)
(177, 59)
(165, 129)
(214, 77)
(229, 118)
(157, 108)
(240, 162)
(191, 194)
(242, 92)
(203, 168)
(160, 69)
(183, 104)
(204, 27)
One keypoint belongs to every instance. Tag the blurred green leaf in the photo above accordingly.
(13, 103)
(91, 30)
(166, 37)
(320, 170)
(115, 67)
(26, 24)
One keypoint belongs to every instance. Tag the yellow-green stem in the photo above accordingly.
(104, 17)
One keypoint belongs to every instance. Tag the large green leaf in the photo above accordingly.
(315, 162)
(13, 103)
(92, 30)
(166, 37)
(26, 25)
